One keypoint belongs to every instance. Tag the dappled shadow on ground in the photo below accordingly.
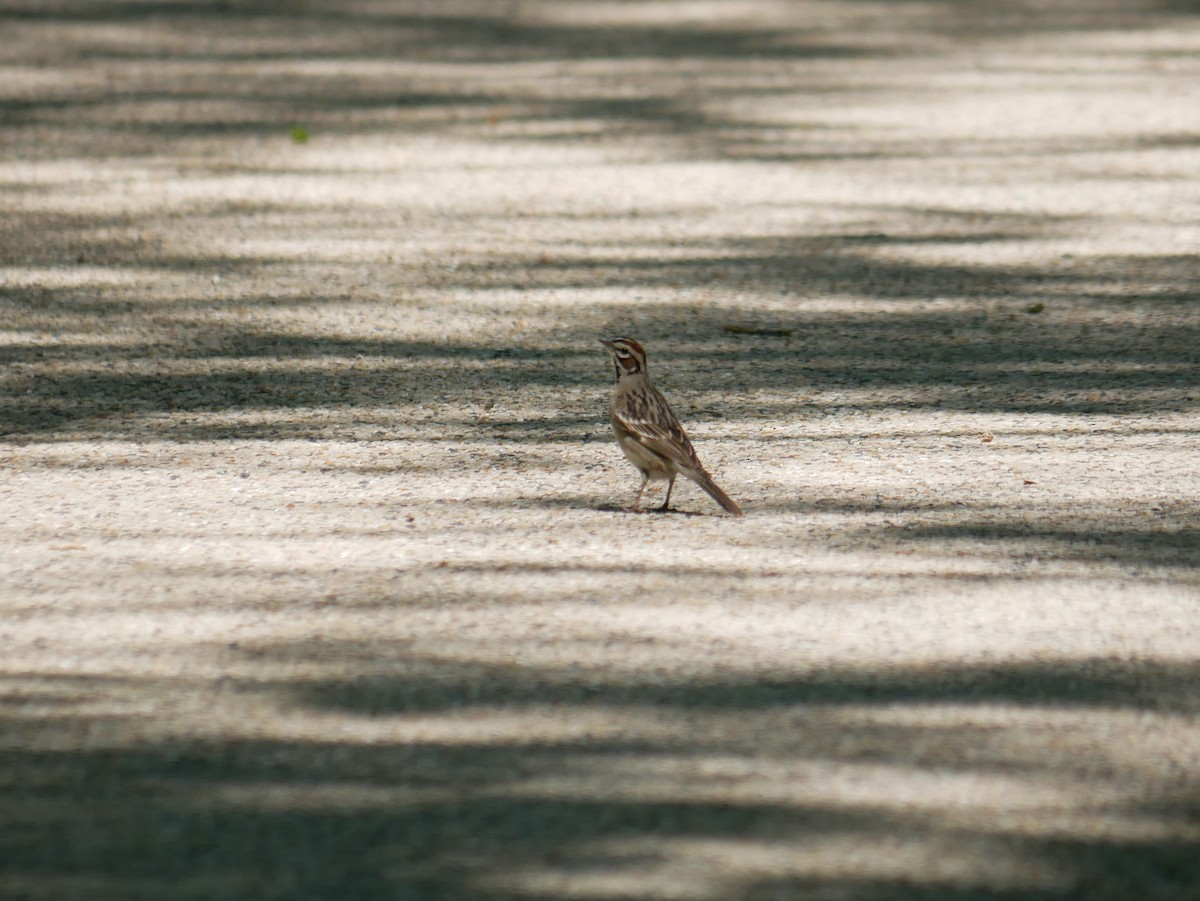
(435, 685)
(445, 780)
(1026, 346)
(350, 66)
(170, 276)
(120, 323)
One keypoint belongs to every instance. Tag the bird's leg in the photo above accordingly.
(666, 504)
(637, 501)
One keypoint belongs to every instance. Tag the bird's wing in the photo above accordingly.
(662, 435)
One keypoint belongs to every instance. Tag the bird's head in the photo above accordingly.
(627, 355)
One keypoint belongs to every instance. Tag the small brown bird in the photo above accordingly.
(648, 431)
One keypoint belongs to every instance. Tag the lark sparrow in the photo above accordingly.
(648, 431)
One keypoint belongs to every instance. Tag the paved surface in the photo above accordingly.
(315, 581)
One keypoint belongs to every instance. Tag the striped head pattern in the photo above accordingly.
(627, 355)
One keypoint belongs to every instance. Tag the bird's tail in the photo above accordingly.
(704, 480)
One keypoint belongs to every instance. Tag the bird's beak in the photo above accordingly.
(606, 342)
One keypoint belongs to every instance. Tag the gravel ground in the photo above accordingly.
(317, 581)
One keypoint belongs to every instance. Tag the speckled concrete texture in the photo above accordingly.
(316, 579)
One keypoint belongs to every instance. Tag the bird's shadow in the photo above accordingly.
(613, 508)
